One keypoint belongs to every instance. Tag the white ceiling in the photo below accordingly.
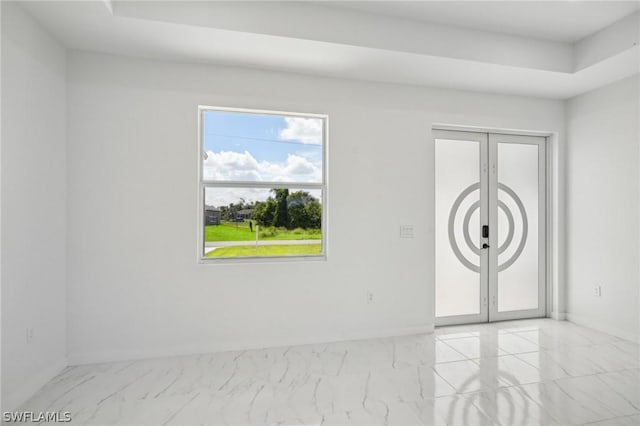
(336, 41)
(565, 21)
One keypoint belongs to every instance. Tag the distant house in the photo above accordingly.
(244, 214)
(211, 216)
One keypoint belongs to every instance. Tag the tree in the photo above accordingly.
(288, 210)
(296, 210)
(264, 212)
(232, 212)
(313, 211)
(280, 218)
(304, 211)
(224, 213)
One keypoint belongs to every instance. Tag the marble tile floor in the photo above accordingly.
(529, 372)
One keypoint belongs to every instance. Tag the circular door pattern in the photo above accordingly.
(465, 227)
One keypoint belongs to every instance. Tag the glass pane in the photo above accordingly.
(251, 147)
(457, 193)
(517, 227)
(249, 222)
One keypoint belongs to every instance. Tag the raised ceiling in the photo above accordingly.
(565, 21)
(480, 46)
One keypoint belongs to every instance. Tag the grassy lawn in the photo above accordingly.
(278, 250)
(239, 231)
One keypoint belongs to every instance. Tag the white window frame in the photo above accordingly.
(203, 184)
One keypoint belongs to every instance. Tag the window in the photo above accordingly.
(262, 184)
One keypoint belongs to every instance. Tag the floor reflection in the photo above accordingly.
(513, 373)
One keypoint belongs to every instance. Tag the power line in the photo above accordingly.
(261, 139)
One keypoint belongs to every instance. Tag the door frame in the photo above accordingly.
(488, 142)
(540, 142)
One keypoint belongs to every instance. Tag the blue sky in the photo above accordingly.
(259, 147)
(265, 129)
(269, 139)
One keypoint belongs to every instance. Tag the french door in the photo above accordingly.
(490, 238)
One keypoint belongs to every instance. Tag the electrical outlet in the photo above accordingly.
(369, 297)
(597, 290)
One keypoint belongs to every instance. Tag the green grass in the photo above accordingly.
(239, 231)
(276, 250)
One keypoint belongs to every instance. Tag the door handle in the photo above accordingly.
(485, 234)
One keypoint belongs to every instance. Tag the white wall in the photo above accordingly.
(603, 208)
(135, 288)
(33, 206)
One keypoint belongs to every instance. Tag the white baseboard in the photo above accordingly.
(12, 400)
(559, 316)
(99, 357)
(599, 326)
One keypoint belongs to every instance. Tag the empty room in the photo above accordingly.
(320, 212)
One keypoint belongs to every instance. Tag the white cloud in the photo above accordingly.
(297, 165)
(305, 130)
(242, 166)
(229, 165)
(219, 197)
